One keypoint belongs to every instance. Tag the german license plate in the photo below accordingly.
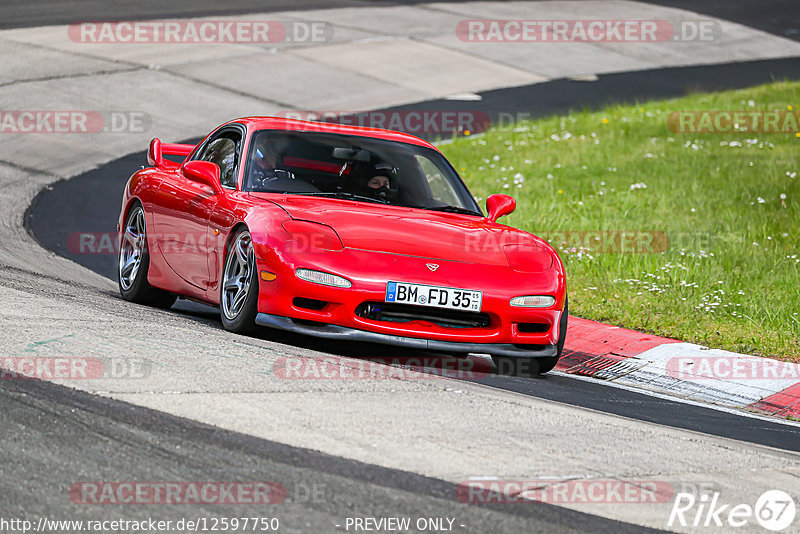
(435, 296)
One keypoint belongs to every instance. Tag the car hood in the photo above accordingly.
(411, 232)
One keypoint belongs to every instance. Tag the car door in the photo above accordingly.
(182, 221)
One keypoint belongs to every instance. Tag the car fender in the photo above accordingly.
(262, 219)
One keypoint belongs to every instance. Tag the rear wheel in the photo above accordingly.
(239, 291)
(527, 367)
(134, 262)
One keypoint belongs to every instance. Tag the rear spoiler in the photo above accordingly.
(157, 150)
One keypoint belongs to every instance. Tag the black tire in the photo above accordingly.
(239, 318)
(133, 263)
(527, 367)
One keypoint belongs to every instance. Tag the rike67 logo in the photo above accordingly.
(774, 510)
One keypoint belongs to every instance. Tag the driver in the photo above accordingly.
(379, 186)
(266, 159)
(379, 182)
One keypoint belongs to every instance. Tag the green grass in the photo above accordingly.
(730, 277)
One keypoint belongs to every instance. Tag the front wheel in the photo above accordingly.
(239, 292)
(527, 367)
(134, 262)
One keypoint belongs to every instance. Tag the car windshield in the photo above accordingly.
(355, 168)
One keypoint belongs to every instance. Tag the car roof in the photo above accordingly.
(279, 123)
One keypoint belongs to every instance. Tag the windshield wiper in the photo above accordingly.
(452, 209)
(338, 194)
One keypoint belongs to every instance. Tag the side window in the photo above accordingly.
(224, 151)
(441, 188)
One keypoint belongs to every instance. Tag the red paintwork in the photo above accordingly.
(176, 149)
(157, 149)
(203, 172)
(499, 206)
(154, 154)
(189, 226)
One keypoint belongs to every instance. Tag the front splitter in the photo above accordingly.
(330, 331)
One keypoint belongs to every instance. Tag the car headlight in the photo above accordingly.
(309, 235)
(533, 301)
(528, 258)
(325, 279)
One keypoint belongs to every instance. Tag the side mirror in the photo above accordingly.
(155, 157)
(203, 172)
(499, 205)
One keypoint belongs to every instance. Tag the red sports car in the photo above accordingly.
(340, 232)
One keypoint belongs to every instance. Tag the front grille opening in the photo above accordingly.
(533, 328)
(403, 313)
(309, 304)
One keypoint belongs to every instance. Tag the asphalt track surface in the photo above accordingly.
(54, 436)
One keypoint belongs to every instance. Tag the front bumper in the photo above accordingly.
(330, 331)
(369, 272)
